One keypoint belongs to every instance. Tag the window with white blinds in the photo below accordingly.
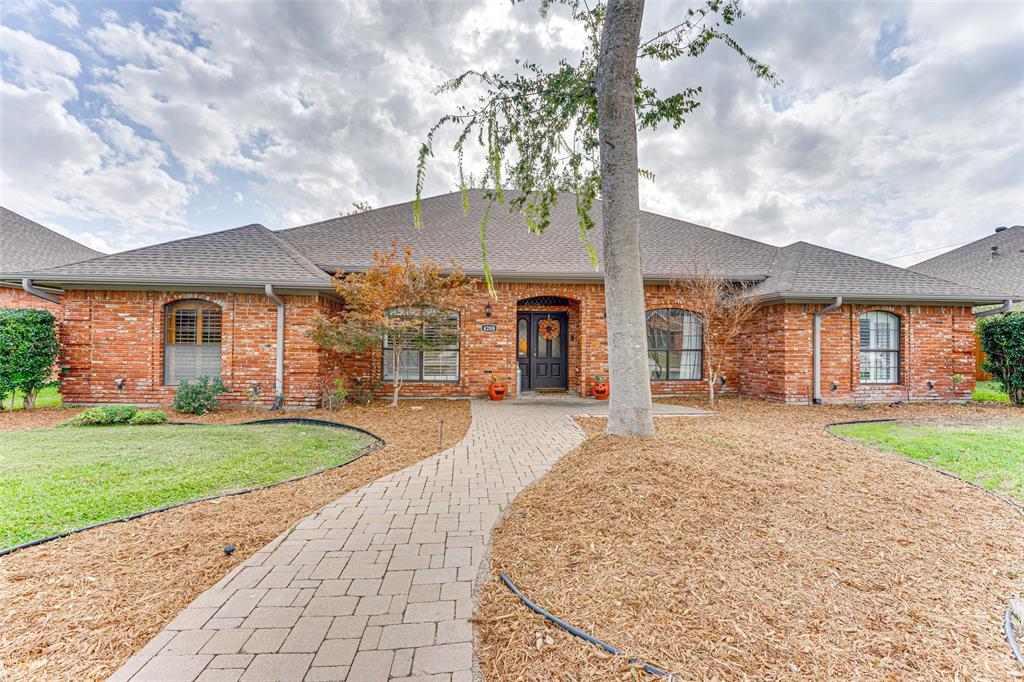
(435, 364)
(879, 348)
(192, 341)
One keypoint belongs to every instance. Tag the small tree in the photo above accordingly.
(398, 301)
(1002, 339)
(28, 352)
(725, 308)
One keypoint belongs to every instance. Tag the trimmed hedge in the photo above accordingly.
(112, 415)
(28, 352)
(1002, 339)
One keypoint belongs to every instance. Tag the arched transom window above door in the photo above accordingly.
(192, 337)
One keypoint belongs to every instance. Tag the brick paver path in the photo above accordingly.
(378, 584)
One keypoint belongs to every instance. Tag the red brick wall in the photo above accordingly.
(484, 353)
(114, 334)
(17, 298)
(119, 334)
(936, 342)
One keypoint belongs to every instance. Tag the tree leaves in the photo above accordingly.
(538, 129)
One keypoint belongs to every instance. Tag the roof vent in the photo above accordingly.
(1001, 228)
(995, 252)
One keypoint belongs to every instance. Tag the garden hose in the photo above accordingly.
(1011, 637)
(378, 444)
(572, 629)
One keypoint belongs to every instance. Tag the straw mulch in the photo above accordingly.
(754, 545)
(39, 418)
(78, 607)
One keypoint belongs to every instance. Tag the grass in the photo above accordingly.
(48, 397)
(991, 456)
(989, 392)
(53, 480)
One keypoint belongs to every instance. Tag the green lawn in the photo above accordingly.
(989, 392)
(52, 480)
(992, 455)
(48, 397)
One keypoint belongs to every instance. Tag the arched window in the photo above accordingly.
(192, 333)
(879, 348)
(439, 362)
(675, 345)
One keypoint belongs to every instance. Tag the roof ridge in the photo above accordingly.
(294, 252)
(914, 273)
(151, 246)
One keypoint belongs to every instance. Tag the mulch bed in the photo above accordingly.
(78, 607)
(755, 545)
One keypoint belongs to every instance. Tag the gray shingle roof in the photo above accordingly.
(251, 255)
(975, 265)
(27, 245)
(807, 270)
(666, 243)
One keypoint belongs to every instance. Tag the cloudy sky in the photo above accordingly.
(899, 127)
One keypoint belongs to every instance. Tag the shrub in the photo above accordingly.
(119, 414)
(94, 416)
(362, 391)
(1002, 339)
(149, 417)
(28, 352)
(198, 398)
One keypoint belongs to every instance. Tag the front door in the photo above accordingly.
(541, 348)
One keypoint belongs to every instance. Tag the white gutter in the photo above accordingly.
(26, 284)
(1007, 304)
(817, 346)
(279, 368)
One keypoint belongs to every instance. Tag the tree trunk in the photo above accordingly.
(396, 372)
(629, 410)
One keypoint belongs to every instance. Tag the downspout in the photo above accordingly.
(817, 346)
(26, 284)
(279, 367)
(995, 311)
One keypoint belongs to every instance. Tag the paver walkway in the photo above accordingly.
(378, 584)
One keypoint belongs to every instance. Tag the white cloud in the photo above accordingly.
(897, 128)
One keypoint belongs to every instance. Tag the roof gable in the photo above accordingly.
(448, 232)
(250, 255)
(977, 265)
(807, 270)
(27, 245)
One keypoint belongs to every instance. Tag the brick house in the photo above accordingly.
(237, 304)
(995, 263)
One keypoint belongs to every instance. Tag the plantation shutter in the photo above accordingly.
(193, 341)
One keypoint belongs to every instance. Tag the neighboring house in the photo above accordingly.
(995, 263)
(140, 321)
(26, 245)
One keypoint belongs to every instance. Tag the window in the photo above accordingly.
(436, 364)
(192, 341)
(879, 348)
(675, 345)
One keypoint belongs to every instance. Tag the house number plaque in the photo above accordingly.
(488, 327)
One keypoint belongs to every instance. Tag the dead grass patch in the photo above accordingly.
(755, 545)
(78, 607)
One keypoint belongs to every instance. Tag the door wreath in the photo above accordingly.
(548, 329)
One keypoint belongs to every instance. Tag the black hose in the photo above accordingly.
(318, 422)
(572, 629)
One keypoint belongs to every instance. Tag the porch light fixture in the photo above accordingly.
(488, 310)
(119, 383)
(930, 384)
(835, 386)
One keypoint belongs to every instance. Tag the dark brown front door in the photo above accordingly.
(541, 348)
